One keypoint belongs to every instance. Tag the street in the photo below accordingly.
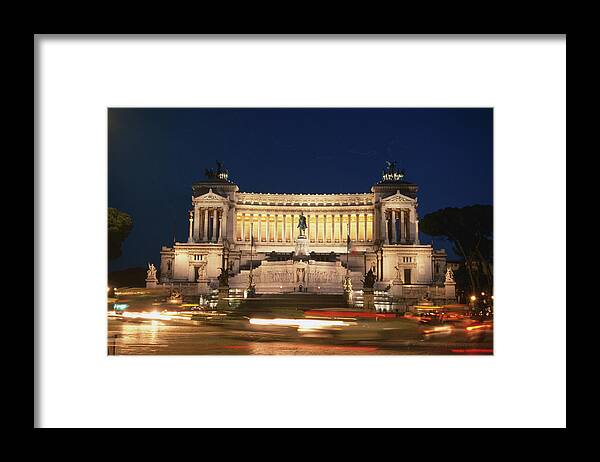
(271, 335)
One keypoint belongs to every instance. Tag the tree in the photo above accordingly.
(120, 225)
(470, 229)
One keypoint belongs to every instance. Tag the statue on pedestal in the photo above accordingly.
(151, 273)
(369, 280)
(449, 276)
(302, 224)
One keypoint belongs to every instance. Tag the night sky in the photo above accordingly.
(154, 156)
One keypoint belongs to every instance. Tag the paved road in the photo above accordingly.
(388, 337)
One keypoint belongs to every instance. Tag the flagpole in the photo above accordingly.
(348, 247)
(251, 245)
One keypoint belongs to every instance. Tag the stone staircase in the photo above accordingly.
(299, 301)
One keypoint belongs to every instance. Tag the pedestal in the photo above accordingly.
(450, 289)
(151, 283)
(223, 297)
(368, 299)
(396, 289)
(348, 297)
(301, 246)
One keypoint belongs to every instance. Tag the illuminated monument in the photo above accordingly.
(299, 242)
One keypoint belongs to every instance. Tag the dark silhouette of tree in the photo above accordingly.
(120, 225)
(470, 230)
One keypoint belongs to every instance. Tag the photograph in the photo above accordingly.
(300, 231)
(294, 231)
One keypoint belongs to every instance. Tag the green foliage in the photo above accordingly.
(120, 225)
(470, 229)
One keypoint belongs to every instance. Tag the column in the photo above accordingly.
(409, 231)
(383, 227)
(243, 227)
(316, 228)
(190, 232)
(416, 230)
(394, 235)
(365, 226)
(205, 235)
(268, 227)
(283, 225)
(402, 228)
(387, 231)
(341, 228)
(308, 227)
(196, 223)
(224, 212)
(234, 223)
(357, 226)
(275, 230)
(259, 232)
(349, 228)
(292, 228)
(215, 224)
(332, 227)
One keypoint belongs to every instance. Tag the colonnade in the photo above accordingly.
(396, 226)
(208, 224)
(322, 227)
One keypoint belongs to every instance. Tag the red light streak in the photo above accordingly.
(473, 350)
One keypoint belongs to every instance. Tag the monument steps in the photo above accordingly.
(298, 300)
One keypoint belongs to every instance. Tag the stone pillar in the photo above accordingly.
(223, 232)
(387, 236)
(394, 235)
(375, 225)
(332, 227)
(234, 223)
(268, 227)
(259, 233)
(417, 230)
(215, 224)
(276, 229)
(366, 227)
(308, 227)
(196, 223)
(349, 227)
(341, 228)
(409, 231)
(283, 234)
(205, 235)
(292, 228)
(243, 227)
(383, 227)
(402, 227)
(357, 227)
(316, 228)
(191, 231)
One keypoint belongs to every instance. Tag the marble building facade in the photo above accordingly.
(245, 230)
